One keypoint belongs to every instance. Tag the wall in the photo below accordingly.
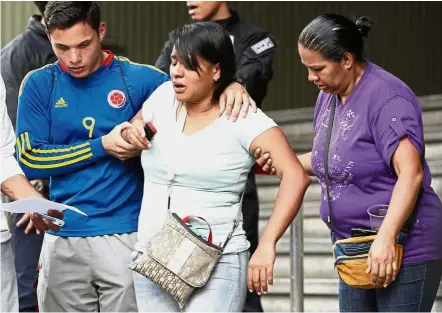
(406, 37)
(14, 17)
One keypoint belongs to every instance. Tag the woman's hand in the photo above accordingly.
(135, 135)
(260, 270)
(381, 262)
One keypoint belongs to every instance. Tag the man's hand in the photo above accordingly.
(25, 219)
(234, 100)
(43, 225)
(264, 161)
(115, 145)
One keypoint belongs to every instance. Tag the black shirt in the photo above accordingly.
(254, 50)
(26, 52)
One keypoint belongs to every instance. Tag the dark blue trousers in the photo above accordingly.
(26, 254)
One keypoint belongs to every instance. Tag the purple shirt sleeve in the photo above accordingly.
(397, 118)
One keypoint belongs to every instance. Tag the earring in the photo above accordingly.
(216, 79)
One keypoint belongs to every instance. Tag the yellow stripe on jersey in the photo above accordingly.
(27, 76)
(124, 59)
(27, 141)
(61, 150)
(58, 157)
(18, 146)
(84, 157)
(22, 137)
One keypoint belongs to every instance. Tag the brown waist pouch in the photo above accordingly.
(350, 256)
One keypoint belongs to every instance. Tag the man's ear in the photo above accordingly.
(102, 30)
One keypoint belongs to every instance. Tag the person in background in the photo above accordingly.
(254, 53)
(26, 52)
(377, 156)
(15, 185)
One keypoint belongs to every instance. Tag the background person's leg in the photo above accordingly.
(9, 297)
(250, 211)
(26, 255)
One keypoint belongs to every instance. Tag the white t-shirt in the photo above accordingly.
(8, 165)
(207, 170)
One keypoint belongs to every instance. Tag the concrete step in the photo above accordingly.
(321, 295)
(319, 266)
(314, 227)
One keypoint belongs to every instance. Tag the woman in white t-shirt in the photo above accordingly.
(203, 159)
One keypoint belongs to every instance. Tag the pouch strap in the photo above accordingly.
(326, 151)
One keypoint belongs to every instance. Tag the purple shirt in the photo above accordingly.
(366, 132)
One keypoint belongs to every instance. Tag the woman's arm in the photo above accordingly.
(407, 164)
(294, 183)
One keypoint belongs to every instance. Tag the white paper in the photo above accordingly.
(37, 205)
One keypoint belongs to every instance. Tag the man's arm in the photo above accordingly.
(255, 64)
(13, 183)
(40, 159)
(163, 61)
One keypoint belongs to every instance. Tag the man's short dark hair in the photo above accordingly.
(65, 14)
(41, 6)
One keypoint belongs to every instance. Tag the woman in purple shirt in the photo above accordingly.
(376, 156)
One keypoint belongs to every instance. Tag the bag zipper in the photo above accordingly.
(342, 258)
(193, 234)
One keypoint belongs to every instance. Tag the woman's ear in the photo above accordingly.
(348, 61)
(216, 72)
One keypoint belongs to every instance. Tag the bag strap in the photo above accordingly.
(327, 148)
(408, 223)
(181, 120)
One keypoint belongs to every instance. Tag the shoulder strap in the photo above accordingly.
(327, 148)
(235, 221)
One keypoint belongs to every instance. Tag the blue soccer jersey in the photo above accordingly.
(60, 124)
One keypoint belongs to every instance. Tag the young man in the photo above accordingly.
(254, 49)
(67, 118)
(26, 52)
(15, 186)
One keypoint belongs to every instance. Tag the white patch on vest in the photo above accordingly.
(233, 39)
(263, 45)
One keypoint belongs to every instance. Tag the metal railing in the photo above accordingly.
(297, 263)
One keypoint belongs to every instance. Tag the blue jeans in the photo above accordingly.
(414, 290)
(224, 292)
